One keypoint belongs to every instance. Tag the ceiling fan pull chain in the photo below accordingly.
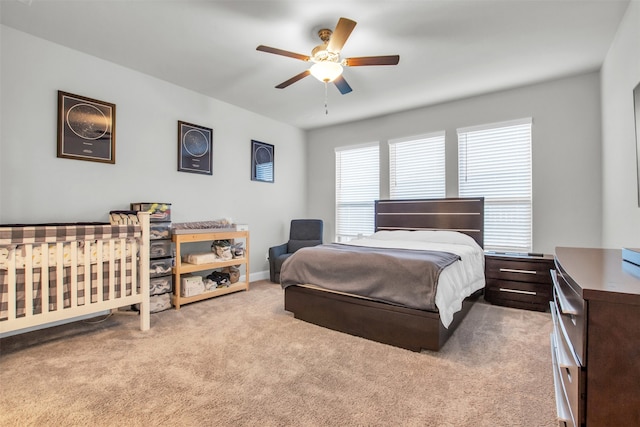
(326, 99)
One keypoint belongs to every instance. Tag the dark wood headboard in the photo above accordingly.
(465, 215)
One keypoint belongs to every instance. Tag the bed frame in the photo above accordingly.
(65, 285)
(398, 326)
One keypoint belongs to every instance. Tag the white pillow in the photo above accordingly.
(434, 236)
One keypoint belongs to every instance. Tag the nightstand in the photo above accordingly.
(518, 280)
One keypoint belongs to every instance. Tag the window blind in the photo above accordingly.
(494, 162)
(417, 167)
(357, 188)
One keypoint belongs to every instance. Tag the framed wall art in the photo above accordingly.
(194, 148)
(636, 111)
(262, 161)
(86, 128)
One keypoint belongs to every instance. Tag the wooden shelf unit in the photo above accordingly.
(185, 268)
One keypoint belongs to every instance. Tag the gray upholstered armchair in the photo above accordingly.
(303, 233)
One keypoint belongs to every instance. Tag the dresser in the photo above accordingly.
(518, 280)
(595, 343)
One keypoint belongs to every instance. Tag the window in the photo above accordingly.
(417, 167)
(357, 188)
(494, 161)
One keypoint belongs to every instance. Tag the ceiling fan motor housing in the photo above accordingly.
(325, 35)
(321, 54)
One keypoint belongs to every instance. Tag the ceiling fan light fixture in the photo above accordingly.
(326, 71)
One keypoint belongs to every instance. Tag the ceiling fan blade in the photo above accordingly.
(372, 60)
(293, 79)
(294, 55)
(342, 85)
(340, 34)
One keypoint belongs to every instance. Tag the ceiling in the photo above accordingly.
(448, 49)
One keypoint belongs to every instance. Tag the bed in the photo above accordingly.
(56, 272)
(328, 300)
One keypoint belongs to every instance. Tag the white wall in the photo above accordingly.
(566, 153)
(36, 186)
(620, 74)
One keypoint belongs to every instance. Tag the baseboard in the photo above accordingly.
(260, 275)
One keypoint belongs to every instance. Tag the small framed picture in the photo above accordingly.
(262, 161)
(86, 128)
(636, 108)
(194, 148)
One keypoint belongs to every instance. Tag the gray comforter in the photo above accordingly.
(399, 276)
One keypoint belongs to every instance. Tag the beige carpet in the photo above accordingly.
(241, 360)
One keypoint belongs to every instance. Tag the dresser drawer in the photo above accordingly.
(518, 270)
(562, 406)
(568, 373)
(571, 310)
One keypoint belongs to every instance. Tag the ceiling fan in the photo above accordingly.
(327, 65)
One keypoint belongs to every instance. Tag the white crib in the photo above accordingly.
(54, 272)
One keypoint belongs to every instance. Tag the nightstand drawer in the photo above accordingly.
(505, 292)
(518, 270)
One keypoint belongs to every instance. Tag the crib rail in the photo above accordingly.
(62, 272)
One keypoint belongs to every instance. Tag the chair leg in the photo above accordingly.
(272, 272)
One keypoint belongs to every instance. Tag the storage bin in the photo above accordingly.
(160, 212)
(159, 302)
(160, 267)
(160, 248)
(159, 230)
(160, 285)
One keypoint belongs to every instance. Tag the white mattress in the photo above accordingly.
(457, 281)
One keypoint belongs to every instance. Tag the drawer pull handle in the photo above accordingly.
(517, 291)
(564, 304)
(568, 371)
(513, 270)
